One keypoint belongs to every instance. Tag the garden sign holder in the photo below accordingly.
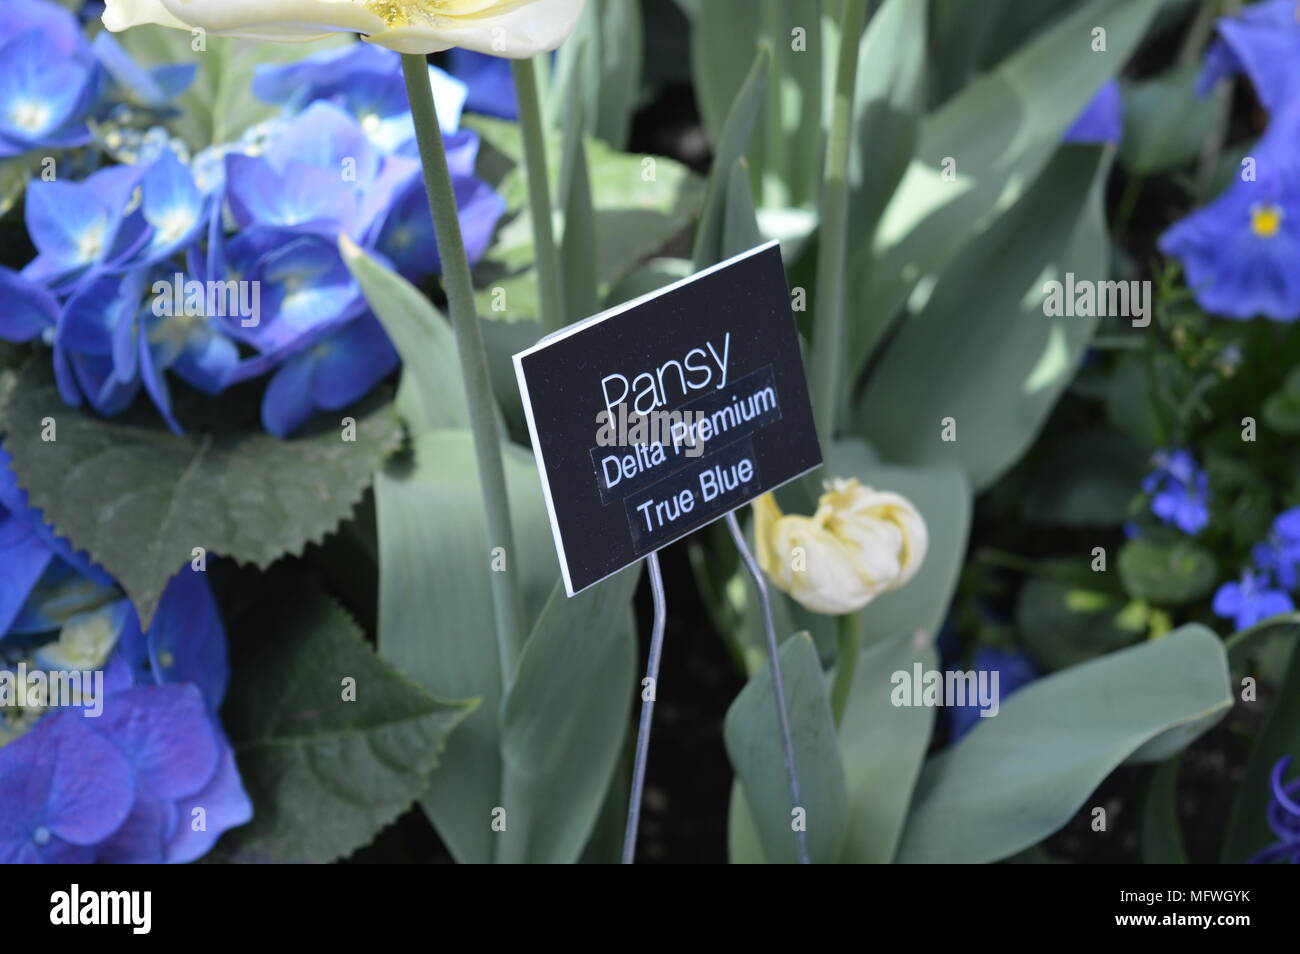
(697, 399)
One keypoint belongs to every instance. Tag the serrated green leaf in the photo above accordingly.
(139, 499)
(754, 745)
(326, 773)
(1010, 783)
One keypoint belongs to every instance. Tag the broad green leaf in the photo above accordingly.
(564, 721)
(732, 145)
(883, 747)
(984, 354)
(220, 104)
(1166, 123)
(432, 392)
(1011, 782)
(979, 152)
(139, 499)
(326, 771)
(785, 152)
(610, 70)
(435, 609)
(651, 276)
(1169, 573)
(641, 203)
(753, 741)
(887, 104)
(739, 227)
(1248, 831)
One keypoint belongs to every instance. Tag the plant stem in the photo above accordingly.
(828, 325)
(506, 606)
(848, 644)
(551, 295)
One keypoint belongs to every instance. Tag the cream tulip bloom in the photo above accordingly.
(860, 543)
(511, 28)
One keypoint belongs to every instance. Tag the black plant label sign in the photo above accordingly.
(661, 415)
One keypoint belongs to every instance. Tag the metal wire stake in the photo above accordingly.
(647, 709)
(778, 689)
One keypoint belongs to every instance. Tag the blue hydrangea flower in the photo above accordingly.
(1102, 120)
(1179, 490)
(1283, 818)
(1250, 600)
(49, 79)
(490, 80)
(367, 82)
(142, 774)
(1015, 671)
(1262, 41)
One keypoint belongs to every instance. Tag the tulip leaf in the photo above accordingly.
(1010, 783)
(578, 244)
(1166, 122)
(979, 151)
(332, 742)
(735, 138)
(739, 225)
(971, 377)
(753, 741)
(435, 609)
(1162, 839)
(641, 203)
(140, 499)
(609, 72)
(432, 392)
(883, 747)
(564, 721)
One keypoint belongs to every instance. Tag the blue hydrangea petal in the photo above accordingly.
(225, 806)
(167, 736)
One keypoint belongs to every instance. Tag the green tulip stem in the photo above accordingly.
(848, 644)
(828, 305)
(551, 291)
(506, 606)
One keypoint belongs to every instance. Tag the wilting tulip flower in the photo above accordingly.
(860, 543)
(512, 28)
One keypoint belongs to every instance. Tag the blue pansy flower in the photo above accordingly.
(1179, 491)
(1250, 600)
(1283, 817)
(1280, 553)
(1263, 41)
(1102, 120)
(490, 80)
(1015, 671)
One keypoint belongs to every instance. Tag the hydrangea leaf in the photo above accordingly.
(1010, 782)
(332, 742)
(140, 499)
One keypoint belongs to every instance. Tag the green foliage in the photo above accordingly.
(332, 743)
(139, 499)
(1167, 572)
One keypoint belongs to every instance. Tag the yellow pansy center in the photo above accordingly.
(1265, 219)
